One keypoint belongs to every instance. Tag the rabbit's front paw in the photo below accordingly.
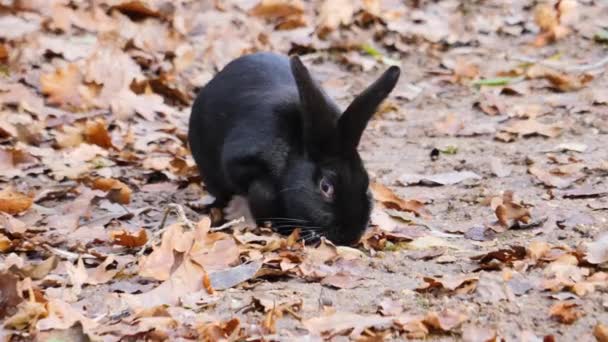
(239, 207)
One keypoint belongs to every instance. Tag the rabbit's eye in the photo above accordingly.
(326, 188)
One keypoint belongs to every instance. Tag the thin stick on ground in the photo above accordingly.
(181, 214)
(228, 224)
(67, 255)
(564, 66)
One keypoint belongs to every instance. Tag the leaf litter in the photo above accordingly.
(93, 113)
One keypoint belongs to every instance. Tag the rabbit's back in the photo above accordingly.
(248, 106)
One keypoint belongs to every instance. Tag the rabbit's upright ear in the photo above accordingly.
(360, 111)
(320, 115)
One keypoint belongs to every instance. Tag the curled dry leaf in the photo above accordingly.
(28, 313)
(41, 270)
(65, 88)
(555, 178)
(11, 224)
(159, 263)
(187, 278)
(505, 256)
(138, 9)
(565, 312)
(389, 199)
(530, 127)
(119, 191)
(13, 202)
(564, 273)
(559, 80)
(5, 243)
(67, 216)
(61, 316)
(508, 212)
(601, 332)
(96, 132)
(128, 239)
(333, 14)
(220, 331)
(216, 251)
(445, 320)
(457, 283)
(538, 249)
(598, 280)
(341, 322)
(552, 19)
(278, 8)
(341, 280)
(13, 161)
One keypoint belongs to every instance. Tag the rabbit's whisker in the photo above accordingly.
(302, 228)
(280, 219)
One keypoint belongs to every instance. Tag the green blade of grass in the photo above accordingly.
(493, 82)
(372, 51)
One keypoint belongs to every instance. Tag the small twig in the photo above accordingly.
(561, 67)
(171, 207)
(228, 224)
(70, 256)
(181, 214)
(293, 313)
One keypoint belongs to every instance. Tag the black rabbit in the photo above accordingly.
(264, 129)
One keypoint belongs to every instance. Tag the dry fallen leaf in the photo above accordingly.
(127, 239)
(555, 178)
(96, 132)
(529, 127)
(13, 202)
(341, 322)
(601, 332)
(278, 8)
(565, 312)
(445, 320)
(458, 283)
(119, 191)
(387, 197)
(538, 249)
(65, 87)
(558, 80)
(552, 19)
(333, 14)
(159, 263)
(510, 213)
(506, 256)
(186, 278)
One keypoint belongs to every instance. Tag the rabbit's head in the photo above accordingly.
(327, 190)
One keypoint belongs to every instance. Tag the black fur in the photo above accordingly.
(263, 128)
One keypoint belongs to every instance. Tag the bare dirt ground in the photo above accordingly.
(502, 104)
